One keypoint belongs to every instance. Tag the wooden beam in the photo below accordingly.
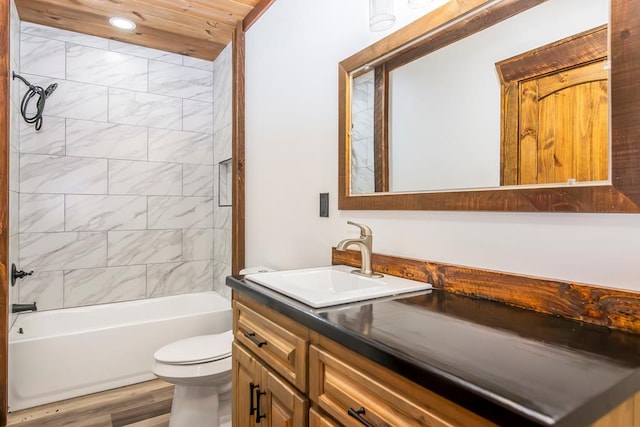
(256, 13)
(238, 153)
(5, 104)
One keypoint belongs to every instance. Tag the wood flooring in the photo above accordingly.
(146, 404)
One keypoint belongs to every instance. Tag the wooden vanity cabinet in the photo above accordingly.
(287, 375)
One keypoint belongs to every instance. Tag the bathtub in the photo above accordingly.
(59, 354)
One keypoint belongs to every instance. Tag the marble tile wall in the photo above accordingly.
(117, 190)
(14, 148)
(222, 131)
(362, 159)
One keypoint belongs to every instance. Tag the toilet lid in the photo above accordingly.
(200, 349)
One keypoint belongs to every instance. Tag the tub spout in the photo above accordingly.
(17, 308)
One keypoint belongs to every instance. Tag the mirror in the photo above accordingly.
(379, 169)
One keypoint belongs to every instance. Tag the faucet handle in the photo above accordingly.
(364, 230)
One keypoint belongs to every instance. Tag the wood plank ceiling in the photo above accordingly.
(197, 28)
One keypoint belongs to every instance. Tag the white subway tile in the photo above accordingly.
(44, 288)
(180, 81)
(103, 67)
(99, 213)
(144, 178)
(179, 278)
(197, 116)
(63, 35)
(180, 212)
(144, 247)
(106, 140)
(48, 140)
(71, 175)
(42, 56)
(144, 109)
(222, 144)
(197, 244)
(72, 99)
(55, 251)
(40, 213)
(14, 169)
(104, 285)
(222, 245)
(197, 63)
(53, 174)
(182, 147)
(197, 180)
(144, 52)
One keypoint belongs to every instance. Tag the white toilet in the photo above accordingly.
(200, 368)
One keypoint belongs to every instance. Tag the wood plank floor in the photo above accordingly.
(146, 404)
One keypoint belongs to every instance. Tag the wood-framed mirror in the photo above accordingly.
(454, 21)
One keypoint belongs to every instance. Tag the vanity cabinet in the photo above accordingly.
(286, 374)
(281, 368)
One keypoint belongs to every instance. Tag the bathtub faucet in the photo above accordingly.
(17, 308)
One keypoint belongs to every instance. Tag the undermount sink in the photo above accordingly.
(326, 286)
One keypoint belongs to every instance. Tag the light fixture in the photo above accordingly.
(122, 23)
(381, 15)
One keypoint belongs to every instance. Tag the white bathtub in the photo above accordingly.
(76, 351)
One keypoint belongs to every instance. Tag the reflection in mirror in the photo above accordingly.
(444, 108)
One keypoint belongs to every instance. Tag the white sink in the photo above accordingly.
(326, 286)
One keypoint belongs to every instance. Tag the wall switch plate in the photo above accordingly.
(324, 205)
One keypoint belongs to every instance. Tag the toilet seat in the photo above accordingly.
(196, 350)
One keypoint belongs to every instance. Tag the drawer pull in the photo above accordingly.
(252, 337)
(252, 407)
(358, 415)
(258, 415)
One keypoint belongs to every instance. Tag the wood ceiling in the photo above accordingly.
(197, 28)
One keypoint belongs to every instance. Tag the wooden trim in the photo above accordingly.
(381, 129)
(588, 46)
(621, 195)
(614, 308)
(256, 13)
(238, 153)
(5, 14)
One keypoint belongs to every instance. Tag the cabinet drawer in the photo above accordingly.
(356, 397)
(277, 340)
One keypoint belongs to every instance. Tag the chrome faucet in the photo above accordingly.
(365, 243)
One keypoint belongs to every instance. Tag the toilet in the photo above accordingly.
(200, 369)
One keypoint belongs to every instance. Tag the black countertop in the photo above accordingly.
(512, 366)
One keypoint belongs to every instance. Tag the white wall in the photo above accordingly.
(291, 156)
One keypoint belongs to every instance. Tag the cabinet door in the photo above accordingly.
(285, 407)
(316, 419)
(261, 398)
(246, 382)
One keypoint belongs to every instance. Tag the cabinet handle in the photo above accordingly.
(358, 415)
(252, 337)
(258, 415)
(252, 407)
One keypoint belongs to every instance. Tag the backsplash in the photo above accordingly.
(118, 188)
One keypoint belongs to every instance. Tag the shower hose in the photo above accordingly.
(32, 92)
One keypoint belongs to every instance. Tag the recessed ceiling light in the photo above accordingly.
(122, 23)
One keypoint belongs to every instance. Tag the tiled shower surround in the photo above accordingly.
(118, 190)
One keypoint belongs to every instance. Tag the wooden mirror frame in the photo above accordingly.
(458, 19)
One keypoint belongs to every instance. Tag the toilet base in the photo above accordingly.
(195, 406)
